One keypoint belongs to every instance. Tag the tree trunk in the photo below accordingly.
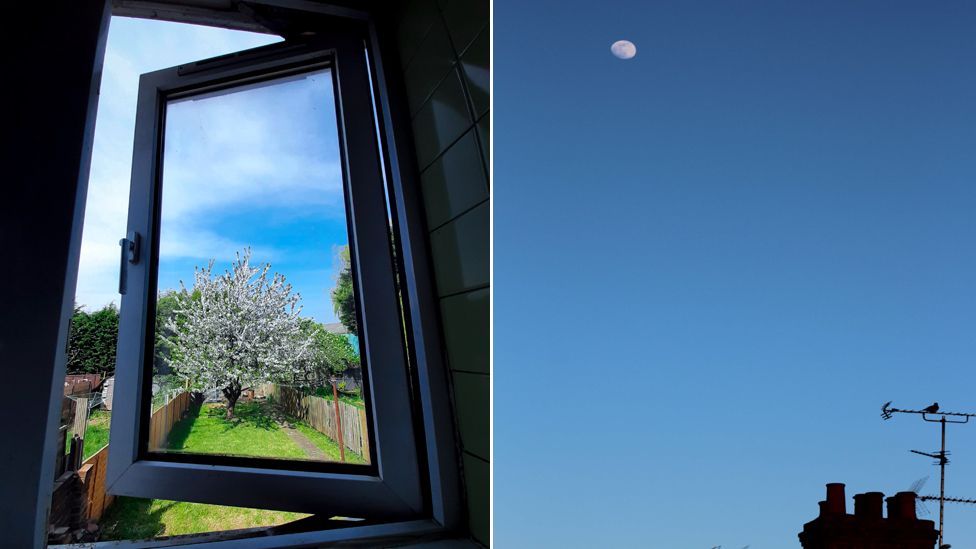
(232, 392)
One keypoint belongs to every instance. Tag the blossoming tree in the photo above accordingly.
(237, 330)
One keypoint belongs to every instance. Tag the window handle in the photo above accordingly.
(130, 254)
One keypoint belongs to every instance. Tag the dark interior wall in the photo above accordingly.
(444, 53)
(53, 58)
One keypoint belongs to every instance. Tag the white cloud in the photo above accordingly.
(257, 146)
(183, 241)
(135, 47)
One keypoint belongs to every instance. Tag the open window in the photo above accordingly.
(326, 82)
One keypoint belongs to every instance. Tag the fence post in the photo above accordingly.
(338, 420)
(77, 452)
(81, 417)
(60, 460)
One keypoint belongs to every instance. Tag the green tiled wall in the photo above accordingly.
(455, 182)
(465, 318)
(444, 50)
(460, 250)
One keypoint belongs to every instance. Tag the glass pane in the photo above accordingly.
(257, 340)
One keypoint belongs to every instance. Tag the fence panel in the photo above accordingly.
(81, 383)
(153, 429)
(163, 419)
(92, 475)
(320, 414)
(92, 470)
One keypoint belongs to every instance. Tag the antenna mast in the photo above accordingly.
(886, 413)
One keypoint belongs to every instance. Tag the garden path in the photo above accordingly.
(310, 449)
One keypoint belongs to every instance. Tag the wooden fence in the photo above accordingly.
(93, 499)
(92, 474)
(162, 420)
(320, 414)
(78, 499)
(92, 471)
(81, 383)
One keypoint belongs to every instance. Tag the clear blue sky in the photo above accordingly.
(714, 262)
(231, 181)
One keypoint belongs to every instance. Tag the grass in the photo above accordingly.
(326, 444)
(252, 434)
(96, 433)
(134, 518)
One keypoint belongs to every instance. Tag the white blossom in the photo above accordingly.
(236, 330)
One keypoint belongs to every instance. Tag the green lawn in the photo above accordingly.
(326, 444)
(133, 518)
(253, 434)
(96, 433)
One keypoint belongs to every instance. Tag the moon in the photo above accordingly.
(623, 49)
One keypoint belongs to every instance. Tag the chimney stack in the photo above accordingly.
(868, 527)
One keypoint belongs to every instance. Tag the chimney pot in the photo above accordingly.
(836, 501)
(869, 505)
(904, 506)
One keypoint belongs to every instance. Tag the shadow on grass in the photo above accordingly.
(181, 429)
(134, 518)
(256, 414)
(253, 414)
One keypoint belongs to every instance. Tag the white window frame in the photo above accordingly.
(397, 486)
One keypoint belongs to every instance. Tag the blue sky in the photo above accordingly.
(258, 167)
(714, 262)
(231, 180)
